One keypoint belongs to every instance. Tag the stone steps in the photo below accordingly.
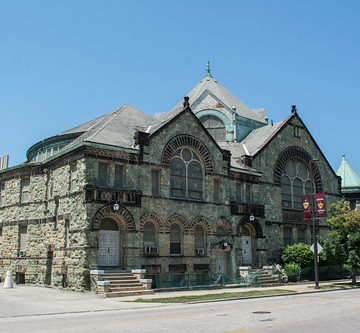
(122, 283)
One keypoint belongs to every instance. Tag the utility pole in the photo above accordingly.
(313, 227)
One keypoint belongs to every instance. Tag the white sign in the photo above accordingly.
(319, 248)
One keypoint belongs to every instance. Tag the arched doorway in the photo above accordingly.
(246, 246)
(109, 243)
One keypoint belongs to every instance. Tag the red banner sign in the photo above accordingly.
(320, 206)
(306, 204)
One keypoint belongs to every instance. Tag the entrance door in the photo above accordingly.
(109, 246)
(221, 262)
(246, 250)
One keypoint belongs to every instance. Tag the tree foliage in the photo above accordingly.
(299, 254)
(345, 233)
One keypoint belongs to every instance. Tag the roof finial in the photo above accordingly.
(208, 69)
(293, 108)
(186, 103)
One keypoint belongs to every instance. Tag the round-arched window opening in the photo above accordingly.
(108, 224)
(186, 175)
(215, 127)
(295, 182)
(220, 231)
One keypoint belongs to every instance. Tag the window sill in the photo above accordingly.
(186, 199)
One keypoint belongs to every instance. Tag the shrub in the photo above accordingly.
(299, 254)
(293, 271)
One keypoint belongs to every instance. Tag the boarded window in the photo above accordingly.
(119, 176)
(25, 190)
(73, 177)
(22, 238)
(155, 183)
(216, 190)
(103, 174)
(175, 239)
(149, 234)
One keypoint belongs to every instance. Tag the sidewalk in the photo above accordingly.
(25, 300)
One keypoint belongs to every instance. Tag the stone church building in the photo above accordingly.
(207, 187)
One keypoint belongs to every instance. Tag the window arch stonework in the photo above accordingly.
(178, 220)
(200, 221)
(222, 223)
(187, 141)
(297, 153)
(255, 225)
(153, 218)
(122, 217)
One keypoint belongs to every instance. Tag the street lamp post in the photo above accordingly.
(313, 226)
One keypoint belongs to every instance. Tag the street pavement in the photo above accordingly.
(38, 309)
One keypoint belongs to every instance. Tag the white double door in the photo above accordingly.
(246, 250)
(109, 248)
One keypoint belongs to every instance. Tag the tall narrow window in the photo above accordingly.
(155, 183)
(248, 193)
(186, 175)
(199, 240)
(2, 190)
(238, 193)
(67, 233)
(73, 177)
(175, 239)
(149, 234)
(119, 176)
(25, 190)
(288, 236)
(216, 190)
(301, 235)
(22, 240)
(103, 174)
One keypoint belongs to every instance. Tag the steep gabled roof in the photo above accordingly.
(209, 85)
(349, 179)
(116, 128)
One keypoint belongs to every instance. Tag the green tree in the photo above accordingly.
(299, 254)
(345, 233)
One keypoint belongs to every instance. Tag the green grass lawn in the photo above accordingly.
(210, 297)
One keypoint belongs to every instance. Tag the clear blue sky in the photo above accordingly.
(63, 63)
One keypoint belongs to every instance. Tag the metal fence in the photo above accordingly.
(199, 280)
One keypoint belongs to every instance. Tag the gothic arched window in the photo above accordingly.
(295, 182)
(186, 175)
(215, 127)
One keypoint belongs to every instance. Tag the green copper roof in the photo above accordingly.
(349, 179)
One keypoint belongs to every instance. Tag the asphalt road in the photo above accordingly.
(335, 311)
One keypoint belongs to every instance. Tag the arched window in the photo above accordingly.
(295, 182)
(149, 234)
(186, 175)
(220, 232)
(175, 239)
(215, 127)
(200, 242)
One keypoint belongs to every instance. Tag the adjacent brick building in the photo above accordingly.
(207, 187)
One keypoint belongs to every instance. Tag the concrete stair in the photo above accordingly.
(267, 279)
(123, 284)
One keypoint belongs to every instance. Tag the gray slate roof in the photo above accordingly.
(115, 128)
(209, 84)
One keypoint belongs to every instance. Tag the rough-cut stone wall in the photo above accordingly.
(44, 216)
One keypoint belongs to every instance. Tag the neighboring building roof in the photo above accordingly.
(115, 128)
(209, 85)
(350, 181)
